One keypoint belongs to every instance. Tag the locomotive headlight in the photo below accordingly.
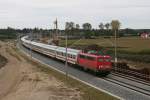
(106, 66)
(101, 66)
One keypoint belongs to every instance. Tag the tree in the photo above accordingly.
(72, 25)
(101, 26)
(87, 26)
(87, 30)
(77, 30)
(69, 27)
(77, 26)
(107, 26)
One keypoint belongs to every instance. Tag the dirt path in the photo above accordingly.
(20, 80)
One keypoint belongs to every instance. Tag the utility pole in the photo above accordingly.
(66, 63)
(115, 46)
(30, 45)
(115, 49)
(55, 34)
(115, 24)
(56, 29)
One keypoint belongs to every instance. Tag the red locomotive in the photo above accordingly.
(97, 63)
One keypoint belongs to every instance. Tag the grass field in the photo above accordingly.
(126, 44)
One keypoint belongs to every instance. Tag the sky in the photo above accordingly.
(42, 13)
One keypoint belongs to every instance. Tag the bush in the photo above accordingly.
(135, 57)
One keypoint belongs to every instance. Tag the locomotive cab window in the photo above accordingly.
(90, 58)
(107, 60)
(100, 60)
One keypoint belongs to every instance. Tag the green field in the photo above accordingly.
(128, 44)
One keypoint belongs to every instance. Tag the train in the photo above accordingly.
(99, 64)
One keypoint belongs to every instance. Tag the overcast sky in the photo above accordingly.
(42, 13)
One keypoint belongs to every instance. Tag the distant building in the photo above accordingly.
(145, 35)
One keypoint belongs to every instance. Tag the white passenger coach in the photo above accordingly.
(52, 51)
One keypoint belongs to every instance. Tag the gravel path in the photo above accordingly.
(21, 80)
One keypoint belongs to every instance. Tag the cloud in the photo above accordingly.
(42, 13)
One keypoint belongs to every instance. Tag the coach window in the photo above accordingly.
(74, 56)
(57, 53)
(45, 49)
(69, 55)
(52, 51)
(64, 54)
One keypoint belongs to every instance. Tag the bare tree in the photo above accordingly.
(70, 28)
(87, 26)
(70, 25)
(77, 26)
(107, 26)
(67, 26)
(101, 26)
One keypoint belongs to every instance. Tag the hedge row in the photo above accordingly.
(135, 57)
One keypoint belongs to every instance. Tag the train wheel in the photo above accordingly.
(85, 69)
(106, 73)
(96, 73)
(103, 74)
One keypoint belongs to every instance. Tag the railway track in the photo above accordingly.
(129, 86)
(132, 78)
(129, 82)
(139, 76)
